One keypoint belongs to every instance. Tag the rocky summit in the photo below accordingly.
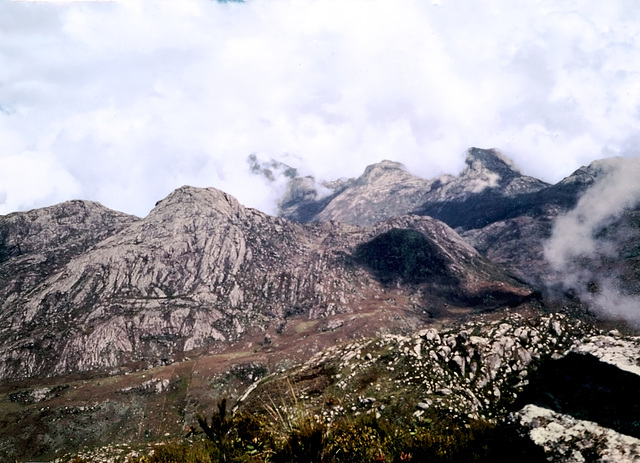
(387, 296)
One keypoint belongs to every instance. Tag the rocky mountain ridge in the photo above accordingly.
(126, 327)
(506, 215)
(567, 385)
(201, 270)
(386, 189)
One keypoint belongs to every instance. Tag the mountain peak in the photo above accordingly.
(186, 199)
(492, 160)
(385, 164)
(383, 172)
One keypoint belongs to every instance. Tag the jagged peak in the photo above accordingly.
(491, 160)
(587, 175)
(383, 170)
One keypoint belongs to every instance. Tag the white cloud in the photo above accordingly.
(32, 178)
(128, 100)
(577, 245)
(616, 190)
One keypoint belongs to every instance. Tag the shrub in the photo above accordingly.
(306, 442)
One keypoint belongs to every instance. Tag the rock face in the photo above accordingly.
(38, 243)
(566, 439)
(386, 189)
(504, 214)
(98, 289)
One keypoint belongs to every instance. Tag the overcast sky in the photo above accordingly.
(122, 102)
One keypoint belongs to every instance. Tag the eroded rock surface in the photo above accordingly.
(569, 440)
(201, 271)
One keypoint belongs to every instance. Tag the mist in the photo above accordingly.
(121, 102)
(586, 248)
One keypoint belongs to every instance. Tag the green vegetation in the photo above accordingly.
(253, 437)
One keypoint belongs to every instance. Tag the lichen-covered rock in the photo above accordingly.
(477, 369)
(613, 349)
(568, 440)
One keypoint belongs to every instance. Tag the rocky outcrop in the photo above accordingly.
(475, 370)
(569, 440)
(201, 271)
(497, 370)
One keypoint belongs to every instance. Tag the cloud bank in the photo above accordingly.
(121, 102)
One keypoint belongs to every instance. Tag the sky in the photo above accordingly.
(121, 102)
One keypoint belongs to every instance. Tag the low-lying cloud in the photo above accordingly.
(121, 102)
(587, 243)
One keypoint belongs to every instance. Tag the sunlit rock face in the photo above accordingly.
(567, 439)
(37, 243)
(98, 289)
(383, 191)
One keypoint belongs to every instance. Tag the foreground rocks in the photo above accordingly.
(501, 370)
(568, 440)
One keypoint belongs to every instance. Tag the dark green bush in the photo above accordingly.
(305, 443)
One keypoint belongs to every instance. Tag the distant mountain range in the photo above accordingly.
(89, 293)
(505, 215)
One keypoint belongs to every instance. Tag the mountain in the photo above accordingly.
(200, 271)
(426, 297)
(504, 214)
(487, 189)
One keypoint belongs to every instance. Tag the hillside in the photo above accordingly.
(424, 302)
